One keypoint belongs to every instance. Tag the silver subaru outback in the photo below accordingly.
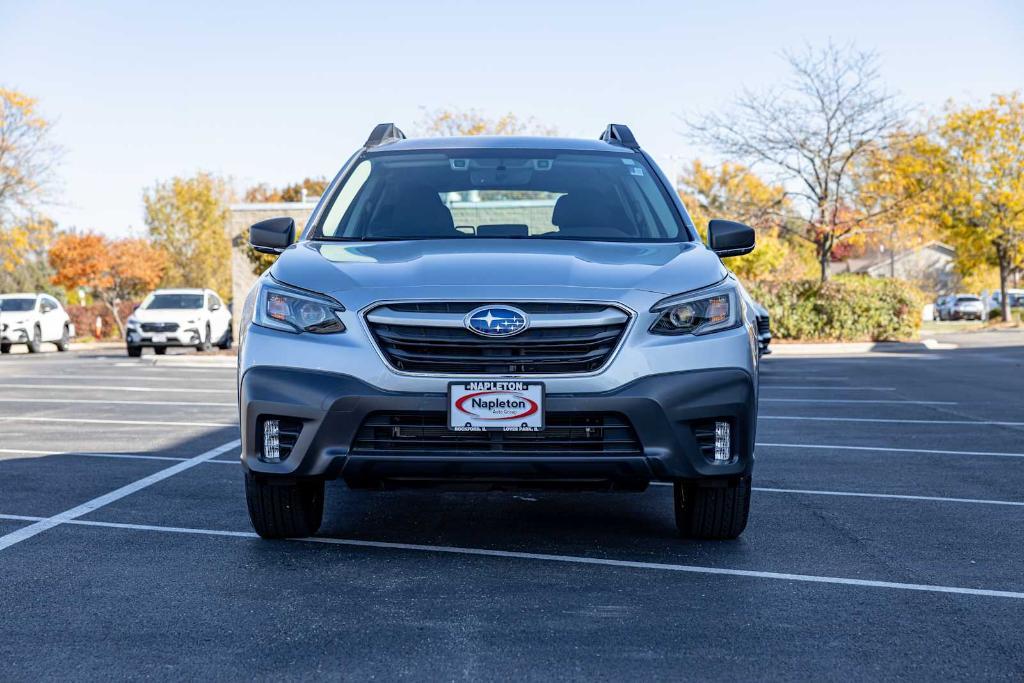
(498, 313)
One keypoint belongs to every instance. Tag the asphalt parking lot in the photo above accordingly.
(886, 540)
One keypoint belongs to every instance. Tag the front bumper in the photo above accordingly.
(180, 337)
(966, 314)
(663, 410)
(11, 334)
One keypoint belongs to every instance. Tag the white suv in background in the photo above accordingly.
(179, 317)
(33, 319)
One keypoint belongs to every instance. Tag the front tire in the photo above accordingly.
(5, 348)
(712, 512)
(134, 351)
(284, 510)
(36, 342)
(64, 343)
(159, 350)
(226, 341)
(206, 344)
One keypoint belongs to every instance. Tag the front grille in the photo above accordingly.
(564, 433)
(159, 327)
(463, 307)
(563, 338)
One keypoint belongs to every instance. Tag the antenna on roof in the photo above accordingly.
(383, 133)
(619, 134)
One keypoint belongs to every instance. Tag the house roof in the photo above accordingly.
(862, 265)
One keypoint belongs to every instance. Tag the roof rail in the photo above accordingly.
(383, 133)
(617, 133)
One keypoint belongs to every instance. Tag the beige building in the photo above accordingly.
(929, 265)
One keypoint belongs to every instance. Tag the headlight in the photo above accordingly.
(132, 321)
(283, 308)
(712, 309)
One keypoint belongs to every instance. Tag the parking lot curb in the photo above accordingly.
(88, 346)
(193, 360)
(828, 349)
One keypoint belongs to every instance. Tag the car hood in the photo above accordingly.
(168, 315)
(16, 316)
(336, 268)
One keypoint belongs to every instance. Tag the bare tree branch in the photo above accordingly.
(809, 133)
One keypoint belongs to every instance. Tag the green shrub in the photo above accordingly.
(847, 308)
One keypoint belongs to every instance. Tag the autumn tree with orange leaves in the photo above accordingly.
(111, 270)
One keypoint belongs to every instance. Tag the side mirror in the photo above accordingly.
(214, 306)
(728, 238)
(273, 235)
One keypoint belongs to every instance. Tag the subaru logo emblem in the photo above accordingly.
(496, 321)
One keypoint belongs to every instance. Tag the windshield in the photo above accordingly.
(535, 194)
(17, 304)
(165, 301)
(967, 299)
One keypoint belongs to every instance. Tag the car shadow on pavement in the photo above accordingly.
(507, 519)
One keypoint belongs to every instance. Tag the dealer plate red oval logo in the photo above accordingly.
(497, 405)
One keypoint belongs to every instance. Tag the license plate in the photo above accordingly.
(159, 337)
(508, 406)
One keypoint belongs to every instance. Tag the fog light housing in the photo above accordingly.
(723, 443)
(271, 441)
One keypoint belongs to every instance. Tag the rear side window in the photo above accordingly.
(524, 194)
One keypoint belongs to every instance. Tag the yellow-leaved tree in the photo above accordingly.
(896, 184)
(187, 217)
(980, 199)
(23, 248)
(733, 192)
(27, 155)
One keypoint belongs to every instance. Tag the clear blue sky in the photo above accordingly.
(277, 91)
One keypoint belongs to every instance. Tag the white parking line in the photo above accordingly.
(116, 402)
(567, 559)
(9, 453)
(855, 400)
(110, 387)
(106, 499)
(860, 494)
(885, 449)
(894, 496)
(853, 494)
(120, 376)
(174, 366)
(879, 419)
(146, 423)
